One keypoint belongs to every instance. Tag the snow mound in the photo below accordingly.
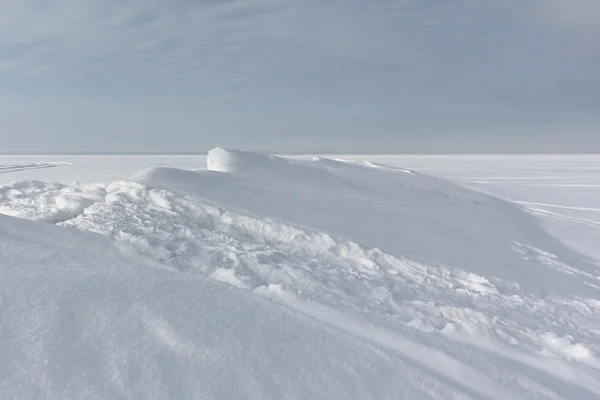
(54, 202)
(406, 215)
(80, 320)
(467, 290)
(225, 160)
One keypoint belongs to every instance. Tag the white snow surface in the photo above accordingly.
(81, 321)
(562, 190)
(327, 279)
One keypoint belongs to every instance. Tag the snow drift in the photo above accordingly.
(417, 287)
(407, 215)
(80, 320)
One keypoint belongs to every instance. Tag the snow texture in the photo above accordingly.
(394, 284)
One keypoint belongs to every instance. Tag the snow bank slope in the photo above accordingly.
(402, 213)
(467, 290)
(79, 320)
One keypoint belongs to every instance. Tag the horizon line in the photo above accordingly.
(284, 153)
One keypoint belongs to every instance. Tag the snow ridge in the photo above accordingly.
(412, 264)
(233, 161)
(80, 321)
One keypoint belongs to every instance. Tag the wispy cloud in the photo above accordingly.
(187, 37)
(573, 16)
(393, 58)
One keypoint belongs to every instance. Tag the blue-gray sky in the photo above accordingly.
(293, 75)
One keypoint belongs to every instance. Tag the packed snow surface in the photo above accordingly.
(80, 321)
(263, 277)
(561, 190)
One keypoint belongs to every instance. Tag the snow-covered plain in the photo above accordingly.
(327, 278)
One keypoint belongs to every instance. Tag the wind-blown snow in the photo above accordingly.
(430, 290)
(81, 321)
(17, 167)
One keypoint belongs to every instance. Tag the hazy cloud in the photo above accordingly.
(272, 64)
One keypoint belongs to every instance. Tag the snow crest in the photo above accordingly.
(235, 161)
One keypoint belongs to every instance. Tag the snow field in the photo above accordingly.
(469, 291)
(80, 320)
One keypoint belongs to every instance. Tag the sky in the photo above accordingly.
(407, 76)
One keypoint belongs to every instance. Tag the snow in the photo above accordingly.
(563, 190)
(87, 168)
(20, 166)
(80, 320)
(264, 277)
(552, 180)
